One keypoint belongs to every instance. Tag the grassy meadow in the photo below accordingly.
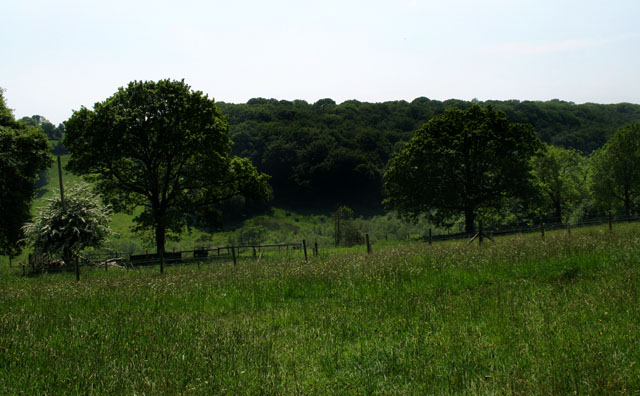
(522, 316)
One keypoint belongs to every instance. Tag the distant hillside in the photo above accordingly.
(326, 154)
(584, 127)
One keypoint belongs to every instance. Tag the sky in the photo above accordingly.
(60, 55)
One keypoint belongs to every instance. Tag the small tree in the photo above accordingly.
(614, 174)
(561, 175)
(251, 234)
(343, 228)
(80, 223)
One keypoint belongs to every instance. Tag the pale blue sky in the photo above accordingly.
(60, 55)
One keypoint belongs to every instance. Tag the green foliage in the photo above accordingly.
(320, 154)
(250, 235)
(324, 154)
(38, 121)
(24, 152)
(461, 162)
(6, 115)
(584, 127)
(561, 176)
(344, 229)
(164, 147)
(614, 173)
(80, 223)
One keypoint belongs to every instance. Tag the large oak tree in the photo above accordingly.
(461, 162)
(164, 147)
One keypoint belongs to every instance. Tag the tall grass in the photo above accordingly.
(521, 316)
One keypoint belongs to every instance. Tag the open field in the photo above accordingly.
(522, 316)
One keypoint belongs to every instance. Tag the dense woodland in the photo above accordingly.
(324, 154)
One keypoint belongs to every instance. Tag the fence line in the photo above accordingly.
(198, 253)
(42, 263)
(536, 228)
(38, 263)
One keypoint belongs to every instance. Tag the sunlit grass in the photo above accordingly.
(521, 316)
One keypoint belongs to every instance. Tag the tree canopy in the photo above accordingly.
(614, 172)
(561, 176)
(461, 162)
(164, 147)
(325, 154)
(81, 221)
(49, 129)
(24, 152)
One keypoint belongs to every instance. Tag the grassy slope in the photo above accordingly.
(523, 316)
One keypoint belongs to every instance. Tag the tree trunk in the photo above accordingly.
(627, 204)
(469, 220)
(558, 210)
(67, 256)
(160, 238)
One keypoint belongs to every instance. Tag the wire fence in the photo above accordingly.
(39, 263)
(537, 228)
(130, 260)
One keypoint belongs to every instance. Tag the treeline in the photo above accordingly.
(321, 155)
(54, 133)
(445, 162)
(324, 154)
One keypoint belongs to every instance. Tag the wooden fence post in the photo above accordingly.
(77, 269)
(315, 248)
(304, 246)
(610, 223)
(368, 243)
(430, 237)
(542, 229)
(233, 253)
(480, 232)
(569, 229)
